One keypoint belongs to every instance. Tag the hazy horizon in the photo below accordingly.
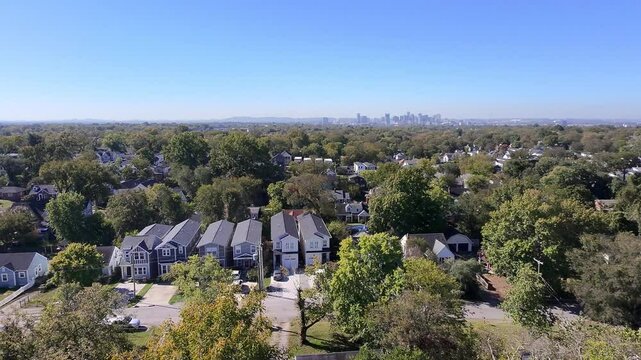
(151, 61)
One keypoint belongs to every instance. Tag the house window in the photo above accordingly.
(139, 256)
(237, 249)
(4, 277)
(212, 251)
(180, 249)
(21, 274)
(166, 252)
(252, 249)
(141, 271)
(278, 244)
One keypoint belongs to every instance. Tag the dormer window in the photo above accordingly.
(166, 252)
(180, 250)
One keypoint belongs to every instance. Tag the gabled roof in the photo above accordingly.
(12, 189)
(17, 261)
(218, 233)
(312, 224)
(159, 230)
(248, 231)
(432, 241)
(51, 189)
(106, 252)
(182, 233)
(147, 242)
(283, 224)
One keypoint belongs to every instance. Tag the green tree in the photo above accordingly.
(465, 272)
(66, 216)
(16, 228)
(383, 172)
(407, 203)
(80, 263)
(200, 278)
(166, 204)
(373, 267)
(310, 191)
(525, 301)
(187, 149)
(86, 177)
(424, 275)
(226, 198)
(607, 283)
(276, 198)
(129, 211)
(240, 154)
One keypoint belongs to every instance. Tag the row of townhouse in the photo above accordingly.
(305, 235)
(232, 245)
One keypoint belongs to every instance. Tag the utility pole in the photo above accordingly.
(259, 259)
(538, 265)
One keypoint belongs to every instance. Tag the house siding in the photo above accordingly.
(10, 276)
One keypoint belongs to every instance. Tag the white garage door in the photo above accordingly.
(290, 261)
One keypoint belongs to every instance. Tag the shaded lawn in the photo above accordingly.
(506, 330)
(176, 298)
(321, 338)
(4, 293)
(140, 339)
(140, 294)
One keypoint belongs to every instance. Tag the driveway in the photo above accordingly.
(127, 288)
(280, 306)
(158, 295)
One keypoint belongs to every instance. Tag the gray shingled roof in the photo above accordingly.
(182, 233)
(283, 223)
(17, 261)
(310, 224)
(147, 242)
(159, 230)
(219, 233)
(248, 231)
(106, 252)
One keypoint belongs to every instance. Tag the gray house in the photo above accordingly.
(139, 258)
(284, 236)
(245, 242)
(177, 244)
(216, 241)
(315, 238)
(17, 269)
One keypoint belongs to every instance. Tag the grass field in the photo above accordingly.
(176, 298)
(321, 338)
(140, 338)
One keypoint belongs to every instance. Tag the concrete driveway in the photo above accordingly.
(127, 289)
(158, 295)
(280, 306)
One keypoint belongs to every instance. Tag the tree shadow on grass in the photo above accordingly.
(337, 343)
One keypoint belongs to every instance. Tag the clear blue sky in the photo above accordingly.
(133, 59)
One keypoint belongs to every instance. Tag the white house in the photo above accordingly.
(417, 245)
(361, 166)
(315, 238)
(284, 236)
(341, 196)
(111, 257)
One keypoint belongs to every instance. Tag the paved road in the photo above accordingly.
(280, 306)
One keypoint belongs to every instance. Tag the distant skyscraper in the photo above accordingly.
(358, 118)
(387, 119)
(325, 121)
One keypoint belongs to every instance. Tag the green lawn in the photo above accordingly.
(5, 205)
(41, 299)
(503, 329)
(176, 298)
(4, 293)
(321, 338)
(140, 294)
(140, 338)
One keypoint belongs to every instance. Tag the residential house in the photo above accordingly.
(418, 245)
(139, 258)
(358, 180)
(111, 257)
(18, 269)
(460, 243)
(351, 212)
(341, 196)
(282, 159)
(605, 204)
(216, 242)
(362, 166)
(41, 194)
(177, 244)
(399, 156)
(285, 240)
(245, 242)
(406, 163)
(315, 238)
(12, 193)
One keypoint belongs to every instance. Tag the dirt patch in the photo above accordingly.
(498, 288)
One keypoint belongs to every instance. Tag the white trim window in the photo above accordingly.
(139, 256)
(237, 250)
(22, 274)
(140, 271)
(252, 249)
(4, 277)
(166, 252)
(180, 249)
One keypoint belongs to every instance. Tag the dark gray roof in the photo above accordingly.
(432, 241)
(281, 224)
(106, 252)
(183, 233)
(248, 231)
(17, 261)
(51, 189)
(219, 233)
(12, 189)
(147, 242)
(159, 230)
(311, 224)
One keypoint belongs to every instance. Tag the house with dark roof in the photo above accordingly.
(245, 242)
(284, 236)
(216, 242)
(18, 269)
(282, 159)
(41, 194)
(111, 257)
(430, 244)
(12, 193)
(177, 244)
(139, 258)
(315, 238)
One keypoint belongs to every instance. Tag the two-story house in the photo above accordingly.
(282, 159)
(216, 242)
(139, 258)
(245, 242)
(111, 258)
(284, 236)
(176, 245)
(18, 269)
(315, 238)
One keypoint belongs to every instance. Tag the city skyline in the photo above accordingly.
(148, 60)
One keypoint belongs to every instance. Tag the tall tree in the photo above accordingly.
(408, 203)
(310, 191)
(66, 216)
(16, 228)
(188, 149)
(129, 211)
(79, 263)
(86, 177)
(240, 154)
(226, 198)
(525, 301)
(200, 278)
(166, 204)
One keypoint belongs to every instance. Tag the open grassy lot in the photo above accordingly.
(321, 339)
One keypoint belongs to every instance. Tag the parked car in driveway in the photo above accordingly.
(278, 275)
(127, 322)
